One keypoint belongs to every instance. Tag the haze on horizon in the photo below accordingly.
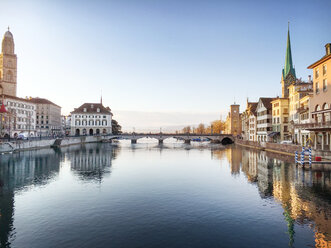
(161, 63)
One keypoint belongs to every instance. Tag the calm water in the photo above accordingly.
(99, 195)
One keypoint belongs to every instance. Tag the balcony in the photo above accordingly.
(315, 126)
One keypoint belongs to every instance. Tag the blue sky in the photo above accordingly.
(169, 58)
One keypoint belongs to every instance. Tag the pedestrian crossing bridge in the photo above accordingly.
(224, 139)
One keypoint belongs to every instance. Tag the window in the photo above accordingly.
(317, 90)
(324, 69)
(324, 84)
(84, 109)
(98, 110)
(317, 73)
(285, 129)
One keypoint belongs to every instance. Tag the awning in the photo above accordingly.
(272, 134)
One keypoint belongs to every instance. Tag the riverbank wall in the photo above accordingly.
(285, 149)
(22, 145)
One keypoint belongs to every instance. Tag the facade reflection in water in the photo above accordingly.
(19, 171)
(92, 162)
(304, 195)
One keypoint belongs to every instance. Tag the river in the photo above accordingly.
(174, 195)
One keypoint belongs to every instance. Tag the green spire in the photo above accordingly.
(288, 68)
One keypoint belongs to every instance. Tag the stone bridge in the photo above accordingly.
(187, 138)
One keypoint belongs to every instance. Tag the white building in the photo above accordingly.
(249, 122)
(264, 119)
(90, 119)
(19, 118)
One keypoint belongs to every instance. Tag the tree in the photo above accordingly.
(201, 128)
(116, 128)
(186, 129)
(218, 126)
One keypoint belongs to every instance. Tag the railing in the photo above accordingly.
(314, 125)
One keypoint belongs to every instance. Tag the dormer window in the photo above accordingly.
(98, 110)
(92, 106)
(84, 110)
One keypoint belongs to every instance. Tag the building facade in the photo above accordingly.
(264, 119)
(19, 117)
(48, 117)
(233, 121)
(280, 123)
(248, 122)
(91, 119)
(320, 102)
(66, 124)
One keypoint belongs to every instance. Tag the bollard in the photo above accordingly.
(310, 158)
(296, 157)
(303, 156)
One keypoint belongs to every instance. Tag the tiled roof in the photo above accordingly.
(38, 100)
(15, 98)
(267, 102)
(92, 108)
(253, 107)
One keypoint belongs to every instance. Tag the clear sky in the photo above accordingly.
(156, 59)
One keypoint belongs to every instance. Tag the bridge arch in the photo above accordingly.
(227, 141)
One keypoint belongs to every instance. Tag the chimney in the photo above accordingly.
(328, 48)
(309, 78)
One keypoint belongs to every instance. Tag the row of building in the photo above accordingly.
(302, 115)
(34, 116)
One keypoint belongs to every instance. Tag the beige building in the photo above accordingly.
(8, 66)
(297, 91)
(248, 122)
(48, 117)
(280, 123)
(320, 102)
(304, 113)
(233, 121)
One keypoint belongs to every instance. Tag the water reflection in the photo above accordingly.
(304, 195)
(17, 172)
(20, 171)
(91, 162)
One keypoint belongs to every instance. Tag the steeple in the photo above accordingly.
(288, 68)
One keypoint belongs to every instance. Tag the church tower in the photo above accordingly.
(8, 66)
(288, 73)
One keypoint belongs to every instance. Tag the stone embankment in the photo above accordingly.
(21, 145)
(286, 149)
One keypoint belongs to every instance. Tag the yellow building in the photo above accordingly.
(280, 125)
(298, 91)
(320, 102)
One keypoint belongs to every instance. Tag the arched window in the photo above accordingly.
(325, 106)
(104, 123)
(91, 123)
(317, 108)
